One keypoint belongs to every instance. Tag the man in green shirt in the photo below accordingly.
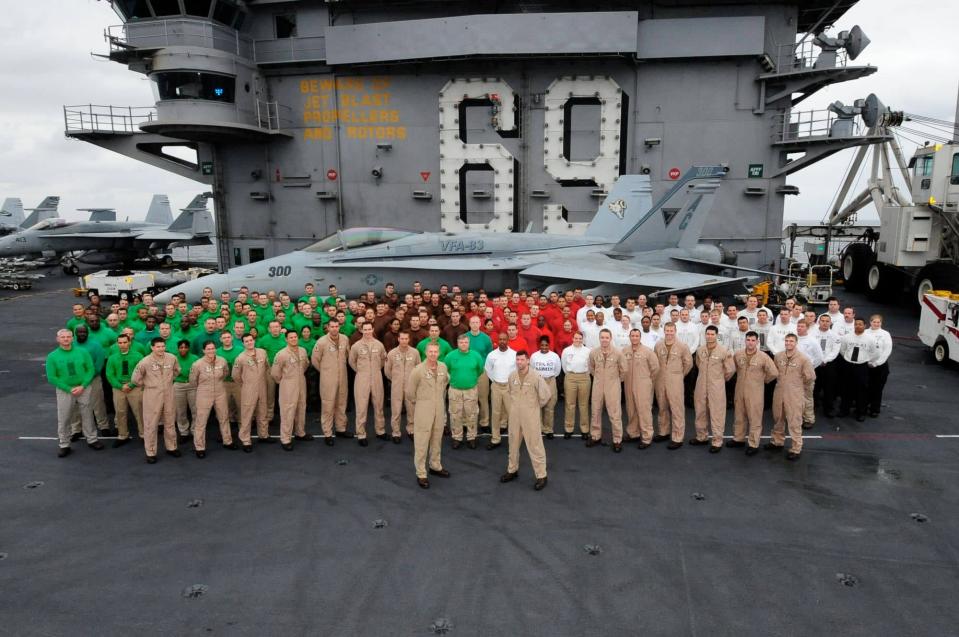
(70, 370)
(184, 396)
(126, 396)
(481, 343)
(83, 341)
(465, 368)
(100, 333)
(149, 331)
(273, 341)
(78, 318)
(209, 333)
(228, 350)
(434, 337)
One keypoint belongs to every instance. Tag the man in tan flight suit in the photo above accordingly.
(155, 374)
(642, 366)
(754, 369)
(716, 366)
(207, 377)
(400, 362)
(329, 358)
(250, 370)
(289, 372)
(528, 394)
(367, 357)
(426, 389)
(675, 362)
(608, 366)
(789, 398)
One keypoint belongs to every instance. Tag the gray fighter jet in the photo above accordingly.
(11, 214)
(102, 242)
(630, 245)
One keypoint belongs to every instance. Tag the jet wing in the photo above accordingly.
(87, 235)
(163, 235)
(599, 268)
(444, 263)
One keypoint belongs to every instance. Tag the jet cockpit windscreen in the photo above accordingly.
(52, 223)
(357, 238)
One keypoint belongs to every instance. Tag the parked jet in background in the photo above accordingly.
(11, 214)
(107, 242)
(159, 211)
(630, 245)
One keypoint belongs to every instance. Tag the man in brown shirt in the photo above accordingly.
(675, 362)
(642, 365)
(367, 357)
(249, 371)
(716, 366)
(789, 398)
(289, 367)
(608, 366)
(155, 374)
(329, 359)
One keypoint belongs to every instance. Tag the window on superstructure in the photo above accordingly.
(133, 9)
(954, 175)
(257, 254)
(225, 13)
(199, 8)
(181, 85)
(285, 24)
(165, 7)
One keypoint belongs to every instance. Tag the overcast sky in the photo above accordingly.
(46, 46)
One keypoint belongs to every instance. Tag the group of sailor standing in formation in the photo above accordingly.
(492, 362)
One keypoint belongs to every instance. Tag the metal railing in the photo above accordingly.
(798, 125)
(273, 116)
(301, 49)
(178, 32)
(116, 120)
(807, 56)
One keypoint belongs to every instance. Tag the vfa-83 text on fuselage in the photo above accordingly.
(631, 244)
(101, 241)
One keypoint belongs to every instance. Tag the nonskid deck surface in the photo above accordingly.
(857, 538)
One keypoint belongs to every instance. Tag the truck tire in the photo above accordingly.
(940, 352)
(166, 261)
(884, 283)
(856, 261)
(936, 276)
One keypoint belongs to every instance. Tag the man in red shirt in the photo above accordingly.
(515, 342)
(527, 330)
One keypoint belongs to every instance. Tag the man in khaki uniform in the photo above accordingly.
(250, 370)
(754, 369)
(155, 374)
(608, 366)
(427, 391)
(367, 357)
(642, 366)
(789, 398)
(329, 358)
(675, 361)
(528, 394)
(207, 377)
(289, 369)
(400, 362)
(716, 366)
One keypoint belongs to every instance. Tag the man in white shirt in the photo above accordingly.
(690, 304)
(500, 363)
(547, 363)
(581, 312)
(736, 334)
(833, 311)
(673, 304)
(648, 336)
(879, 366)
(751, 311)
(808, 345)
(621, 332)
(576, 386)
(590, 330)
(858, 349)
(827, 374)
(687, 331)
(847, 324)
(634, 313)
(776, 339)
(728, 320)
(761, 327)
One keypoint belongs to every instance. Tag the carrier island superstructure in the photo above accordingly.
(307, 117)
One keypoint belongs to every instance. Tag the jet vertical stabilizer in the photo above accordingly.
(47, 209)
(677, 219)
(629, 199)
(11, 213)
(159, 211)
